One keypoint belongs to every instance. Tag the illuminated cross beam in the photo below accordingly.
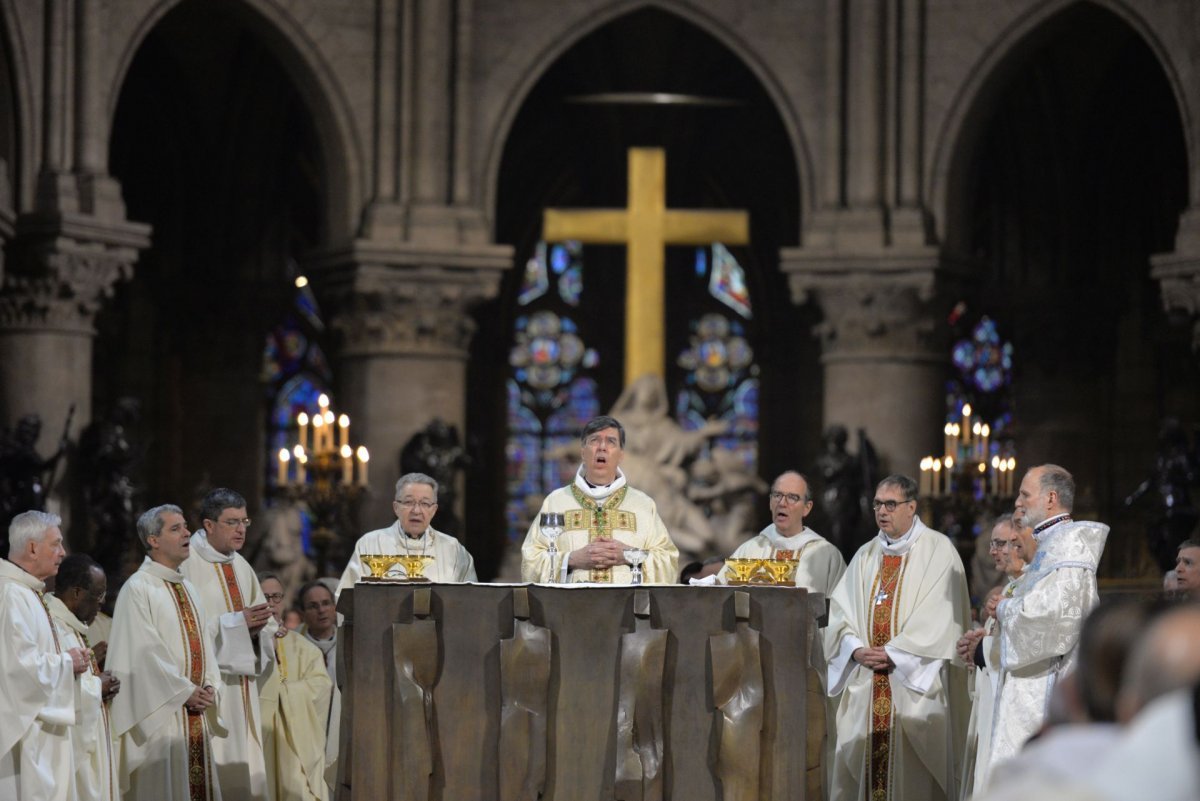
(645, 228)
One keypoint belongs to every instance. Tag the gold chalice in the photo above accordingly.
(397, 567)
(742, 569)
(783, 571)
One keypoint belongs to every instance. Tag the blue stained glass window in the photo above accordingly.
(295, 371)
(727, 283)
(550, 395)
(983, 360)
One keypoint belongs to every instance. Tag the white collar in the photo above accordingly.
(901, 546)
(161, 571)
(61, 611)
(795, 541)
(205, 551)
(599, 493)
(11, 570)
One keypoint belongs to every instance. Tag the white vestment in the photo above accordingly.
(226, 584)
(821, 563)
(1039, 629)
(37, 694)
(451, 561)
(333, 718)
(99, 630)
(979, 729)
(617, 511)
(91, 736)
(295, 703)
(899, 734)
(161, 654)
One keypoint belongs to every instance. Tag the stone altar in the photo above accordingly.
(484, 692)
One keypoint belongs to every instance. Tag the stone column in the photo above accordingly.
(883, 348)
(60, 269)
(403, 317)
(1178, 273)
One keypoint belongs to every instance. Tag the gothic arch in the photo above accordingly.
(293, 44)
(557, 47)
(976, 97)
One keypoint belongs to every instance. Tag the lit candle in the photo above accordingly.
(344, 425)
(347, 465)
(966, 424)
(1003, 480)
(949, 439)
(318, 435)
(300, 460)
(955, 430)
(363, 458)
(281, 476)
(302, 422)
(995, 477)
(937, 476)
(985, 431)
(1012, 471)
(329, 421)
(925, 475)
(323, 401)
(976, 430)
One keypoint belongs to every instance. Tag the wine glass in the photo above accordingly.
(551, 524)
(635, 557)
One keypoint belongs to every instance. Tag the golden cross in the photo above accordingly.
(646, 227)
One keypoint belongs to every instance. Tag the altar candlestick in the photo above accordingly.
(302, 422)
(344, 426)
(966, 424)
(363, 458)
(300, 460)
(284, 457)
(347, 465)
(985, 431)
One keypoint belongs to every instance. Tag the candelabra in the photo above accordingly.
(329, 478)
(972, 463)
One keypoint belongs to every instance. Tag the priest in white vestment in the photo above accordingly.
(980, 649)
(239, 618)
(603, 518)
(894, 620)
(414, 505)
(295, 702)
(37, 671)
(318, 606)
(1041, 622)
(820, 564)
(166, 715)
(79, 589)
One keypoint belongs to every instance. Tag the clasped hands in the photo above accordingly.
(600, 553)
(874, 659)
(967, 644)
(201, 699)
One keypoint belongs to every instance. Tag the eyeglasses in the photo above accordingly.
(889, 505)
(235, 522)
(791, 497)
(425, 505)
(1000, 545)
(273, 597)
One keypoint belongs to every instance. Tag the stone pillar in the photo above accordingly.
(1178, 273)
(403, 318)
(883, 348)
(60, 269)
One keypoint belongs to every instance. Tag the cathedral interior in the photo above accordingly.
(213, 211)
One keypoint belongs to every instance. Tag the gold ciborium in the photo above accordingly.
(397, 567)
(783, 571)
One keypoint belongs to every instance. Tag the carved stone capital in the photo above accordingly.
(407, 300)
(884, 307)
(1178, 276)
(62, 269)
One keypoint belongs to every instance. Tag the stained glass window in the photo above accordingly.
(719, 375)
(551, 392)
(295, 370)
(983, 360)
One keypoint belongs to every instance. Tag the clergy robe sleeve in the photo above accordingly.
(35, 682)
(821, 570)
(1045, 622)
(466, 566)
(353, 572)
(234, 646)
(535, 562)
(662, 563)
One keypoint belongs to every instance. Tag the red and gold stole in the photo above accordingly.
(600, 520)
(234, 603)
(885, 592)
(199, 765)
